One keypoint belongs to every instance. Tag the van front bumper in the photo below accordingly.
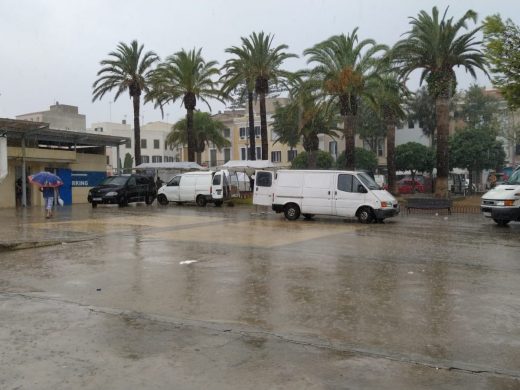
(387, 213)
(502, 213)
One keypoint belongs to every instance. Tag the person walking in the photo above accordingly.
(48, 197)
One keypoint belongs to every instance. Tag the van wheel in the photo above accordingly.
(308, 216)
(291, 212)
(365, 215)
(149, 199)
(94, 205)
(201, 201)
(218, 203)
(501, 222)
(163, 200)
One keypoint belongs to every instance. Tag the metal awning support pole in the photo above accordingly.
(24, 176)
(118, 160)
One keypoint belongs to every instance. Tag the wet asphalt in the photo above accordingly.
(239, 298)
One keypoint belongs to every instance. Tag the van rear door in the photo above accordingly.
(263, 188)
(220, 186)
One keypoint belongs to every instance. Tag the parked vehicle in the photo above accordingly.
(199, 187)
(502, 203)
(123, 189)
(409, 186)
(338, 193)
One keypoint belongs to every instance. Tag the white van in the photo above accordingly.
(338, 193)
(502, 203)
(200, 187)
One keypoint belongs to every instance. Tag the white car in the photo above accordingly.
(502, 203)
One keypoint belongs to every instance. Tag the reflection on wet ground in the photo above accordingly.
(420, 289)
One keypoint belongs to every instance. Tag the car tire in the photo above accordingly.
(308, 216)
(149, 199)
(123, 202)
(218, 203)
(201, 201)
(163, 200)
(94, 205)
(291, 211)
(365, 215)
(501, 222)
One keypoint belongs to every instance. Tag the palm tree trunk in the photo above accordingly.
(199, 158)
(263, 128)
(311, 161)
(189, 129)
(137, 129)
(252, 135)
(443, 128)
(348, 130)
(390, 157)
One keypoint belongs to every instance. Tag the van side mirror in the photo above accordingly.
(361, 189)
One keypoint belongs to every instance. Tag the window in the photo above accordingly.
(258, 153)
(128, 144)
(243, 133)
(350, 183)
(276, 156)
(213, 157)
(243, 153)
(175, 181)
(227, 133)
(291, 154)
(145, 159)
(257, 131)
(333, 148)
(156, 144)
(157, 159)
(274, 135)
(132, 182)
(98, 129)
(227, 155)
(263, 179)
(216, 180)
(410, 124)
(381, 148)
(143, 143)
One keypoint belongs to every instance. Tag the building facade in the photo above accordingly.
(58, 116)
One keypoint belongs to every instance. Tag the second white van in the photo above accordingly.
(199, 187)
(309, 192)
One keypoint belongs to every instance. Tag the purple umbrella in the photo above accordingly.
(46, 179)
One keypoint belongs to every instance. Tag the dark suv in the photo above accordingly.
(123, 189)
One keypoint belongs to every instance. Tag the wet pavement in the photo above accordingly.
(236, 298)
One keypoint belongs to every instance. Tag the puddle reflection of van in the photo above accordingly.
(199, 187)
(340, 193)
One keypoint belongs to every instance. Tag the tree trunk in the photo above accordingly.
(189, 129)
(252, 134)
(442, 114)
(348, 130)
(137, 129)
(199, 158)
(390, 158)
(263, 128)
(311, 159)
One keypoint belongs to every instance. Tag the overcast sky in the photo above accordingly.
(50, 49)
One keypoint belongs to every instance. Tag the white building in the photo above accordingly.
(153, 142)
(59, 117)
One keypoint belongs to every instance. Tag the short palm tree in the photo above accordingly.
(436, 46)
(185, 76)
(238, 76)
(127, 69)
(206, 132)
(345, 68)
(266, 61)
(304, 118)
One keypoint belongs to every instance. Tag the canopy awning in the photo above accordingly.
(248, 166)
(180, 165)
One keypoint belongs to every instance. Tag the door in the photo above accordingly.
(187, 188)
(263, 188)
(171, 190)
(348, 195)
(131, 189)
(220, 186)
(66, 189)
(317, 193)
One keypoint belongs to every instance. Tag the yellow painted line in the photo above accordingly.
(257, 233)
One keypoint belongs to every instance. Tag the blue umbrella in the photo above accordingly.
(46, 179)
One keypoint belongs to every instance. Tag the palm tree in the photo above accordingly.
(437, 45)
(186, 76)
(304, 117)
(206, 131)
(239, 77)
(345, 69)
(128, 68)
(266, 61)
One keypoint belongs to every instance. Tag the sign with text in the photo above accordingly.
(87, 178)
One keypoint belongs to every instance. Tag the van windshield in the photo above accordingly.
(114, 181)
(368, 181)
(515, 178)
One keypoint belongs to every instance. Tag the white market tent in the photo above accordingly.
(247, 166)
(167, 170)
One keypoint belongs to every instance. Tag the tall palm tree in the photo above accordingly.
(345, 68)
(304, 118)
(266, 61)
(438, 45)
(206, 132)
(127, 68)
(185, 75)
(238, 76)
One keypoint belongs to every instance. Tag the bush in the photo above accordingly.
(365, 159)
(323, 160)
